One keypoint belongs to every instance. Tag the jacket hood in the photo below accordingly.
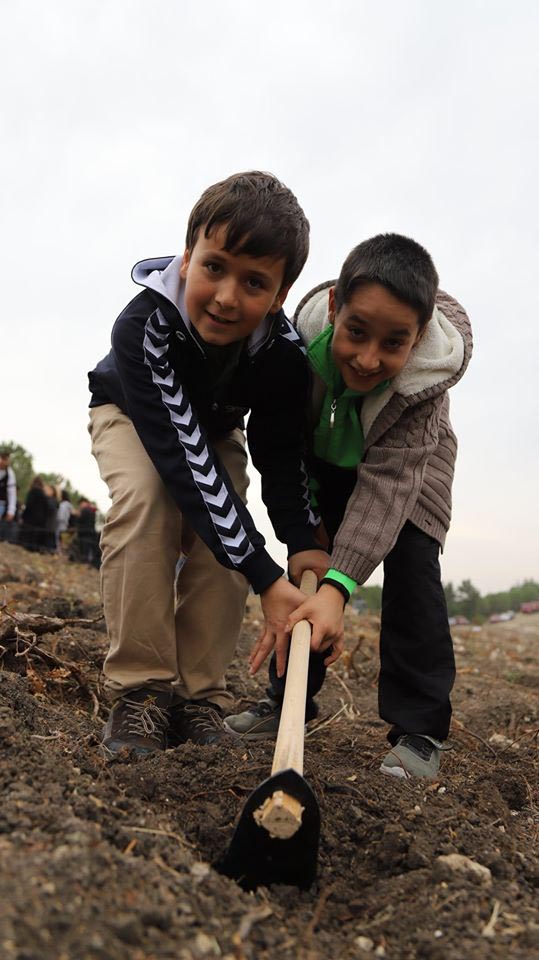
(162, 275)
(438, 360)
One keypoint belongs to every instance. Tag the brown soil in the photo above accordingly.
(109, 862)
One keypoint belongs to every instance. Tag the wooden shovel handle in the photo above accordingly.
(291, 735)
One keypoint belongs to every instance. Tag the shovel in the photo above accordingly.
(276, 837)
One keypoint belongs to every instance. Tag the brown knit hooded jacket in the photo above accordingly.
(410, 449)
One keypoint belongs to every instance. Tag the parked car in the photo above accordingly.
(459, 621)
(501, 617)
(530, 606)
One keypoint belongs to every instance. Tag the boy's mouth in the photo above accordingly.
(219, 320)
(364, 376)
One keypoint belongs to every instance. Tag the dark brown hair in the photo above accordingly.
(399, 264)
(262, 218)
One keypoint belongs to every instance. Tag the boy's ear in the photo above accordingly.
(331, 306)
(279, 300)
(420, 335)
(185, 264)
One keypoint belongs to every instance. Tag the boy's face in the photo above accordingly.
(373, 336)
(227, 295)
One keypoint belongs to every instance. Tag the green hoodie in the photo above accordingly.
(338, 435)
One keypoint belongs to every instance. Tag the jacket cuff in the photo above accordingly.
(302, 539)
(261, 571)
(353, 564)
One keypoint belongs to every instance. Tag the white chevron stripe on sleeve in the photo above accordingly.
(163, 377)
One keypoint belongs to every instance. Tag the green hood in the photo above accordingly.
(338, 435)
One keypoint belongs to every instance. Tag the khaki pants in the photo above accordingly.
(162, 628)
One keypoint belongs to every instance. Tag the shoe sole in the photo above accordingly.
(398, 772)
(124, 751)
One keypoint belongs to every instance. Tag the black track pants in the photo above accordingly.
(417, 666)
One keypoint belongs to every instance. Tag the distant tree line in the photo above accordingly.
(467, 601)
(464, 600)
(23, 466)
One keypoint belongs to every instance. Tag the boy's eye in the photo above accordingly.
(394, 344)
(254, 283)
(213, 267)
(356, 332)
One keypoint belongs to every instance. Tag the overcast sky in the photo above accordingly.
(408, 115)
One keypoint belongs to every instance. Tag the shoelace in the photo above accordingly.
(203, 717)
(146, 719)
(419, 745)
(263, 708)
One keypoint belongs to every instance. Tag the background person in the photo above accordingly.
(33, 533)
(8, 497)
(63, 517)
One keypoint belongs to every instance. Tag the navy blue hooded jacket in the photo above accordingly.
(160, 374)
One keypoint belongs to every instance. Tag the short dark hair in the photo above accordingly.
(399, 264)
(262, 217)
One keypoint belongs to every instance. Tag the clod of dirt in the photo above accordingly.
(456, 863)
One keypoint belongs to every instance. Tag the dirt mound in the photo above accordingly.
(109, 862)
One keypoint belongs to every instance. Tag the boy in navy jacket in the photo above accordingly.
(203, 345)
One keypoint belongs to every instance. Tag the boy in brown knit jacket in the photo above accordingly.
(385, 345)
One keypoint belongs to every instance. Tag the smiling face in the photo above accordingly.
(373, 336)
(228, 295)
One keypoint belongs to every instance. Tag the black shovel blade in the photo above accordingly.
(254, 858)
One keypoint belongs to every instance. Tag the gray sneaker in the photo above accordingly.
(259, 722)
(414, 755)
(138, 721)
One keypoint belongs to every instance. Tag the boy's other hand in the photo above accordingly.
(325, 613)
(278, 602)
(317, 560)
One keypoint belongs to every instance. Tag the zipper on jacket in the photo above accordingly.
(332, 414)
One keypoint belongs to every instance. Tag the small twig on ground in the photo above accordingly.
(457, 726)
(159, 833)
(164, 866)
(33, 647)
(380, 917)
(38, 623)
(489, 928)
(54, 736)
(352, 659)
(317, 913)
(250, 918)
(348, 788)
(325, 723)
(345, 688)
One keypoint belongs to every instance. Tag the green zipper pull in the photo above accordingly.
(332, 414)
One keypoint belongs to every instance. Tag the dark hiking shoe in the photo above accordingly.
(259, 722)
(199, 721)
(138, 721)
(414, 755)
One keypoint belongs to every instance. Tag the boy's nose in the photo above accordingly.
(226, 294)
(368, 361)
